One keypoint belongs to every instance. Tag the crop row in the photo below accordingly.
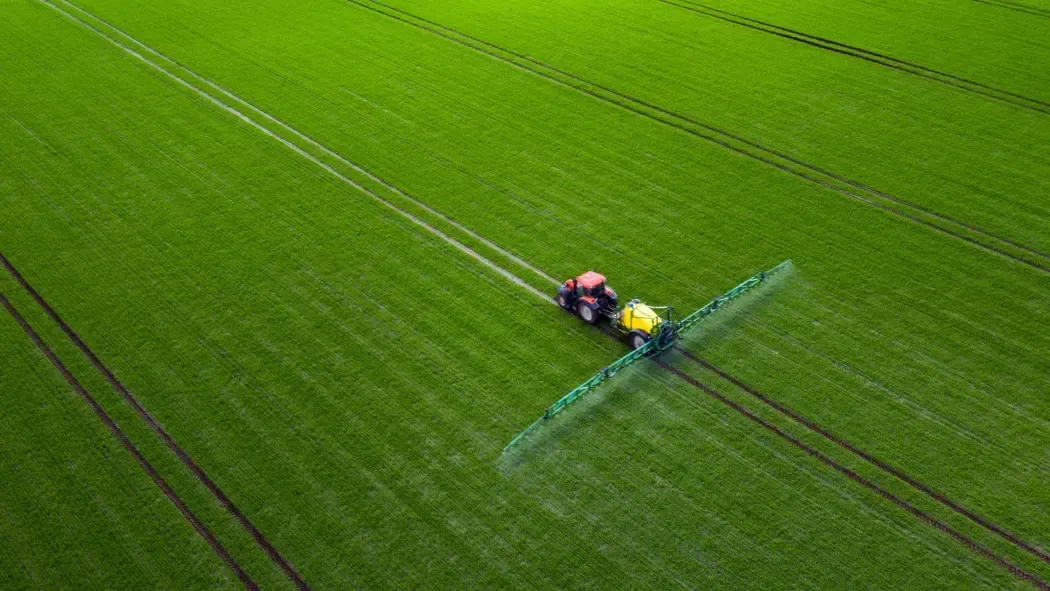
(350, 379)
(698, 216)
(966, 39)
(76, 505)
(966, 156)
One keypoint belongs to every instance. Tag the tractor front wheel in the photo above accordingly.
(563, 302)
(589, 314)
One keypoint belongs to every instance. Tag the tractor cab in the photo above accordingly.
(591, 284)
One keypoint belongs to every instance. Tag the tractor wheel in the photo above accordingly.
(637, 340)
(563, 302)
(589, 315)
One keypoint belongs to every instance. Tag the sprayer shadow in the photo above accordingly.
(589, 415)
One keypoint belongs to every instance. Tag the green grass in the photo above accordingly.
(962, 155)
(350, 380)
(984, 43)
(78, 511)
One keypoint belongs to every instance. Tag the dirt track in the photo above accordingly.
(148, 468)
(827, 461)
(271, 551)
(900, 475)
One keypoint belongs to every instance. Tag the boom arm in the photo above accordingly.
(653, 346)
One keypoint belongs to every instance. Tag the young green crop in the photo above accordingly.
(350, 379)
(78, 511)
(616, 179)
(967, 39)
(963, 155)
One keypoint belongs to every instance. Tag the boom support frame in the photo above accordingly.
(673, 331)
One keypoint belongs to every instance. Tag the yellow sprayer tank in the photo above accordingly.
(638, 316)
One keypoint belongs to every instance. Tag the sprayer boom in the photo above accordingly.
(588, 292)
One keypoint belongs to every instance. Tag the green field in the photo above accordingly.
(302, 254)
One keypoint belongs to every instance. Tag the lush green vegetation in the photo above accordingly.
(349, 378)
(914, 139)
(78, 512)
(999, 48)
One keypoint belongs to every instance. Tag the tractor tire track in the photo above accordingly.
(869, 458)
(119, 434)
(311, 141)
(923, 516)
(1017, 6)
(897, 206)
(518, 260)
(874, 57)
(260, 539)
(467, 250)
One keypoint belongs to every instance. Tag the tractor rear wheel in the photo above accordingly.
(589, 314)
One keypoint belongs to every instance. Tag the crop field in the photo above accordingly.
(277, 282)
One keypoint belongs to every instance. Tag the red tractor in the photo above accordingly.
(589, 297)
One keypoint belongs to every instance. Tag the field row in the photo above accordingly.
(349, 378)
(908, 137)
(984, 43)
(75, 503)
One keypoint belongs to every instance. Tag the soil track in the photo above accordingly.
(148, 468)
(638, 108)
(827, 461)
(1019, 7)
(271, 551)
(874, 57)
(881, 465)
(897, 206)
(305, 154)
(894, 205)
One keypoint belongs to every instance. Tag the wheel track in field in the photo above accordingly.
(928, 519)
(1018, 7)
(198, 472)
(871, 459)
(911, 481)
(912, 212)
(882, 59)
(313, 144)
(119, 434)
(905, 209)
(923, 516)
(286, 566)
